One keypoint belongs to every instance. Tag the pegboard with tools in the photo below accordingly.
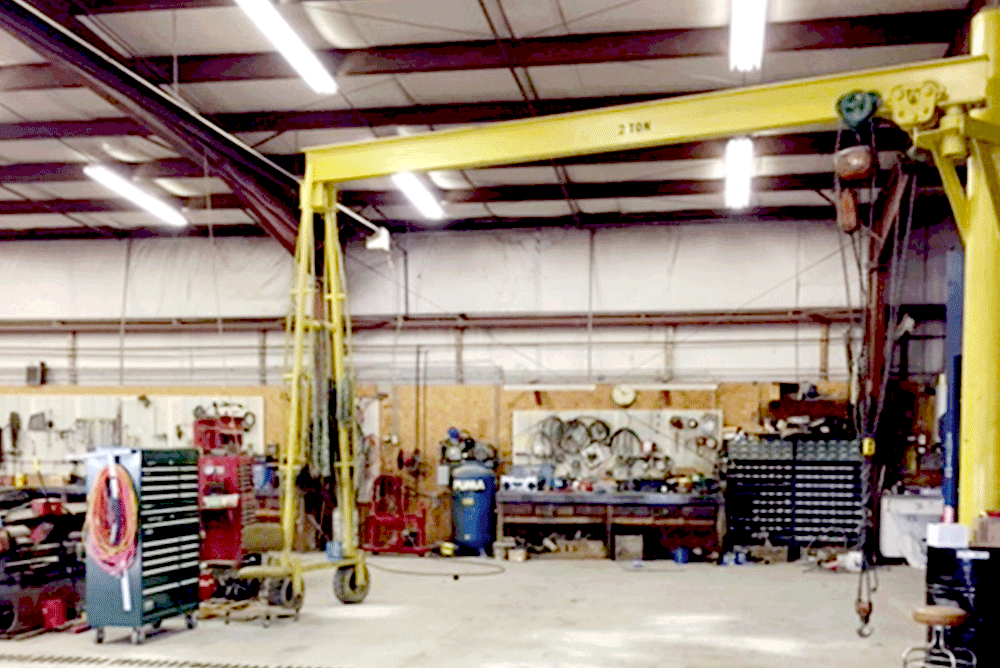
(619, 445)
(50, 434)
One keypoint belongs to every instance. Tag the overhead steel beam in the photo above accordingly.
(822, 214)
(587, 220)
(930, 189)
(98, 127)
(806, 143)
(106, 233)
(418, 114)
(284, 121)
(934, 208)
(265, 189)
(606, 190)
(118, 6)
(393, 116)
(16, 207)
(492, 194)
(574, 49)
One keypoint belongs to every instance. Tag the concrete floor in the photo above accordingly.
(548, 613)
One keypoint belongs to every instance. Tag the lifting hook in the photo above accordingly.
(864, 610)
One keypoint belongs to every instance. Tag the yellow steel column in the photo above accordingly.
(301, 293)
(979, 467)
(343, 383)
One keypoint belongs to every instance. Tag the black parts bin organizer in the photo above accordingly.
(794, 492)
(142, 539)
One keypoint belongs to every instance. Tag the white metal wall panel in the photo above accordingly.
(709, 267)
(167, 278)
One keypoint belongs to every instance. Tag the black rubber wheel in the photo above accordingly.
(99, 637)
(346, 587)
(157, 624)
(191, 621)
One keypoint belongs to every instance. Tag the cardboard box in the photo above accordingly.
(628, 547)
(954, 536)
(580, 548)
(987, 532)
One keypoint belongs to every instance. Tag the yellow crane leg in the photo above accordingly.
(979, 467)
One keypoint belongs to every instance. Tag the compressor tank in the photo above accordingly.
(473, 489)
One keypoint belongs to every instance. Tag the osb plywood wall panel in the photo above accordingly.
(486, 412)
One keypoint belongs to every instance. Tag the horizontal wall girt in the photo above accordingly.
(920, 312)
(574, 320)
(149, 326)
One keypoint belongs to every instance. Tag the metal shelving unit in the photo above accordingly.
(794, 492)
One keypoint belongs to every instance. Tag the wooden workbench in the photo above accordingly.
(674, 520)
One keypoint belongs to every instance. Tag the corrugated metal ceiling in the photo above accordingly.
(371, 25)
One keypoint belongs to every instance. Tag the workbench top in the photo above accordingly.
(606, 498)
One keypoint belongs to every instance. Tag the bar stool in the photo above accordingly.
(936, 652)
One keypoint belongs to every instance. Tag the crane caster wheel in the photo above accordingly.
(191, 621)
(346, 586)
(138, 636)
(99, 637)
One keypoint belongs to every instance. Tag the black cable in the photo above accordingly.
(600, 431)
(625, 443)
(487, 569)
(576, 436)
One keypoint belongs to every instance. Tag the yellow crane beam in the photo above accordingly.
(950, 106)
(739, 111)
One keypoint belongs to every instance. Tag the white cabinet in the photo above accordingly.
(904, 526)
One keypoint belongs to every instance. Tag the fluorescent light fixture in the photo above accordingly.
(677, 387)
(135, 194)
(419, 194)
(739, 171)
(539, 387)
(747, 24)
(289, 44)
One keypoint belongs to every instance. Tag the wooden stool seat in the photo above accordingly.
(940, 615)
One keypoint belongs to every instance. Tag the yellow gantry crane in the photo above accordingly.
(950, 107)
